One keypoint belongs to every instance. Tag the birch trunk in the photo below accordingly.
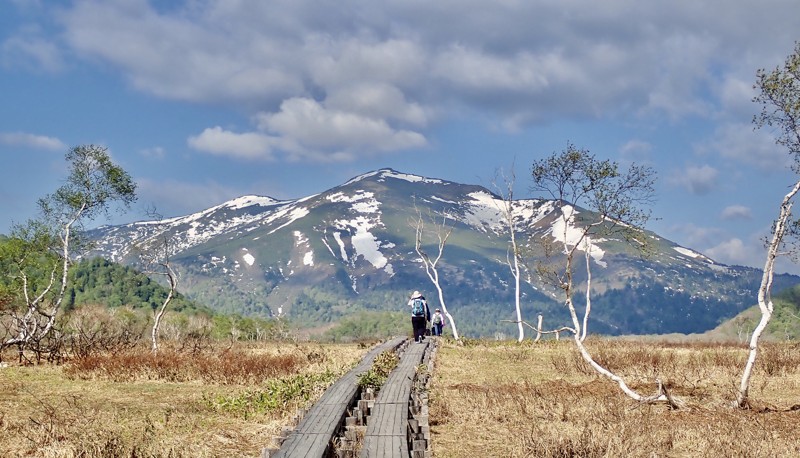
(764, 293)
(442, 233)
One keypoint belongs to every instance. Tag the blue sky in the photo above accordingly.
(202, 101)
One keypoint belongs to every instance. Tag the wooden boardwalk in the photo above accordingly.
(387, 427)
(312, 437)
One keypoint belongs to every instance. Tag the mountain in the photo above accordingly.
(351, 249)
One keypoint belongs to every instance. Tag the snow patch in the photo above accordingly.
(293, 214)
(338, 237)
(249, 201)
(248, 258)
(363, 201)
(409, 178)
(564, 230)
(364, 243)
(302, 240)
(486, 211)
(688, 252)
(444, 200)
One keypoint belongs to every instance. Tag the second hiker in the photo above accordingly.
(437, 322)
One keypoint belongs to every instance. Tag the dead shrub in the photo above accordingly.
(96, 329)
(226, 367)
(778, 359)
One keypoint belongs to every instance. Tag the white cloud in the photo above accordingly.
(308, 129)
(32, 51)
(542, 59)
(736, 96)
(27, 140)
(696, 179)
(377, 100)
(734, 212)
(733, 251)
(739, 142)
(636, 151)
(697, 237)
(155, 152)
(391, 68)
(248, 145)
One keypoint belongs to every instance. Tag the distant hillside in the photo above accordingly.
(100, 281)
(350, 250)
(784, 325)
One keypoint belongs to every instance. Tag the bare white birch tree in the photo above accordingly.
(442, 232)
(94, 183)
(780, 109)
(575, 177)
(505, 187)
(154, 256)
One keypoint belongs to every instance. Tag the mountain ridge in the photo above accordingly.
(351, 248)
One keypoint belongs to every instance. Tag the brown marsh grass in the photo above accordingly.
(541, 400)
(218, 402)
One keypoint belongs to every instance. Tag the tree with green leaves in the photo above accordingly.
(779, 97)
(39, 253)
(575, 178)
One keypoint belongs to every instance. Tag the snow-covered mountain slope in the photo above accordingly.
(351, 248)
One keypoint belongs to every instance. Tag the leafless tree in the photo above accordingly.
(780, 110)
(504, 185)
(154, 256)
(442, 232)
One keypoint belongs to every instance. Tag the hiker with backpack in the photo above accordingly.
(437, 323)
(420, 315)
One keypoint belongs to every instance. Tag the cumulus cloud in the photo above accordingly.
(378, 101)
(737, 212)
(551, 59)
(30, 50)
(720, 245)
(221, 142)
(695, 236)
(696, 179)
(308, 127)
(739, 142)
(636, 151)
(733, 251)
(155, 152)
(736, 95)
(27, 140)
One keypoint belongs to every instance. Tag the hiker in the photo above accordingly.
(420, 315)
(437, 323)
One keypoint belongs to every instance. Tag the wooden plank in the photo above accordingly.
(305, 445)
(312, 437)
(385, 447)
(387, 428)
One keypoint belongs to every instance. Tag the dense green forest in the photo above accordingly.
(99, 281)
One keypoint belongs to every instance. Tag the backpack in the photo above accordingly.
(418, 307)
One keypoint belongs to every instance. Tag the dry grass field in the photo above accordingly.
(224, 402)
(488, 399)
(540, 400)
